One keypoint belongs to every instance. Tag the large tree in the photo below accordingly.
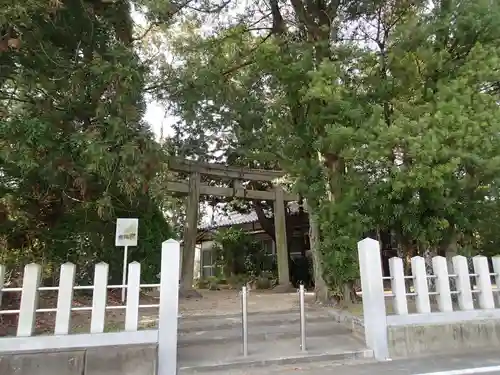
(384, 113)
(74, 151)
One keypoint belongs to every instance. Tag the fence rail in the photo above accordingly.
(440, 295)
(465, 292)
(61, 338)
(65, 292)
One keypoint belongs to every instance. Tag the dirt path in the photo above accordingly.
(223, 302)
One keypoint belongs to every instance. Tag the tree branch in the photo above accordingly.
(146, 32)
(216, 9)
(249, 61)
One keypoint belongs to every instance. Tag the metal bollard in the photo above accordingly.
(244, 320)
(302, 319)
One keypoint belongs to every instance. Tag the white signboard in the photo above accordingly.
(126, 232)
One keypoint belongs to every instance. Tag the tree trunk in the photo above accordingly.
(281, 242)
(320, 287)
(450, 251)
(335, 169)
(186, 289)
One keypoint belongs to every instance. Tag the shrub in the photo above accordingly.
(263, 283)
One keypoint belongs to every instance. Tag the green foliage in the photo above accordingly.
(239, 254)
(391, 130)
(264, 282)
(74, 152)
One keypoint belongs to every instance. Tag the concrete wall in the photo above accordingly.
(111, 360)
(419, 340)
(354, 323)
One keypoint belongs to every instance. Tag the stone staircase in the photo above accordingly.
(214, 343)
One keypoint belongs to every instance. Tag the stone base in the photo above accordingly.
(43, 363)
(421, 340)
(105, 360)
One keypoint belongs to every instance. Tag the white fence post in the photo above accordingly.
(461, 268)
(372, 285)
(420, 285)
(64, 298)
(99, 298)
(169, 306)
(29, 299)
(2, 281)
(496, 269)
(440, 268)
(398, 286)
(482, 269)
(133, 293)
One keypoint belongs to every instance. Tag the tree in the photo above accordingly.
(74, 152)
(384, 114)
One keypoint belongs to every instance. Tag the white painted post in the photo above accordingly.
(2, 281)
(398, 286)
(64, 298)
(496, 269)
(99, 298)
(482, 269)
(372, 285)
(133, 292)
(440, 268)
(169, 306)
(124, 272)
(461, 269)
(420, 285)
(29, 300)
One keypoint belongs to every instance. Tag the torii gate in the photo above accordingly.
(195, 188)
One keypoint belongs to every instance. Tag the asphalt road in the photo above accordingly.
(460, 364)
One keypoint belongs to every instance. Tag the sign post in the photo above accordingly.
(126, 235)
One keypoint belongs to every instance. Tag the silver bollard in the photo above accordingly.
(302, 319)
(244, 320)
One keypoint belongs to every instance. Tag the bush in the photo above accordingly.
(263, 283)
(238, 253)
(213, 283)
(201, 284)
(237, 281)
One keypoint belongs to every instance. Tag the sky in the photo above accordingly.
(156, 115)
(159, 120)
(161, 123)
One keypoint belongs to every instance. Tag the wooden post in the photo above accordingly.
(190, 232)
(281, 242)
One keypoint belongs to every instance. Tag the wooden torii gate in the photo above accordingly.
(194, 188)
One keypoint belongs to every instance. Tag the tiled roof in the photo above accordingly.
(227, 219)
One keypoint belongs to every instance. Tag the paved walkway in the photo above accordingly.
(273, 337)
(459, 364)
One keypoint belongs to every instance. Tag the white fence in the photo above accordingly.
(465, 301)
(165, 336)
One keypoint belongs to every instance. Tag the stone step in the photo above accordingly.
(317, 365)
(262, 332)
(222, 357)
(205, 323)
